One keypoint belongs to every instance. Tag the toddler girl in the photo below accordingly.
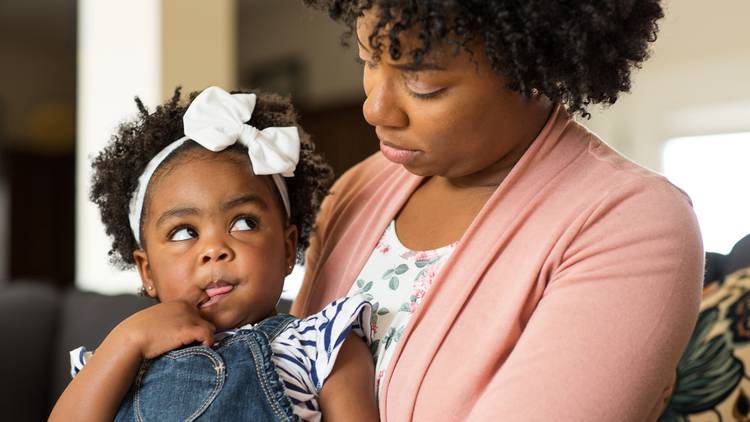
(213, 221)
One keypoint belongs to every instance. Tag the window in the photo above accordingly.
(715, 171)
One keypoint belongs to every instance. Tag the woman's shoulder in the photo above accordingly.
(602, 170)
(615, 193)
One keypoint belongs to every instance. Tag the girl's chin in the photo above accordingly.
(224, 322)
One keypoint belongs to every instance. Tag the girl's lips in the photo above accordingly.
(215, 294)
(398, 155)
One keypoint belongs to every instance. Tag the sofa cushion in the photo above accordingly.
(85, 320)
(713, 375)
(28, 320)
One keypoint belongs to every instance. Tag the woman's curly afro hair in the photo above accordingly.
(574, 52)
(117, 168)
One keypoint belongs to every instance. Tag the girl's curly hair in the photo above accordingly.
(575, 52)
(117, 168)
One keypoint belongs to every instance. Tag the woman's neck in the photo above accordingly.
(534, 119)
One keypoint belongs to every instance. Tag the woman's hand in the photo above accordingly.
(163, 327)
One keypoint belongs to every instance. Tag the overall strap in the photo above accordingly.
(274, 325)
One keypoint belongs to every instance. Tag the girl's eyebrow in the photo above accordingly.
(245, 199)
(176, 212)
(232, 203)
(407, 67)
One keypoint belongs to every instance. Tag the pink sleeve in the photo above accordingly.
(605, 339)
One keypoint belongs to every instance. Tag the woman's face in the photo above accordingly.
(449, 115)
(216, 238)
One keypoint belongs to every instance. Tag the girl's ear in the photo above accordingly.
(144, 269)
(290, 247)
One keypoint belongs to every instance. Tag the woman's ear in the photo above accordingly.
(290, 247)
(144, 269)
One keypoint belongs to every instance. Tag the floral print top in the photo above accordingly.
(394, 280)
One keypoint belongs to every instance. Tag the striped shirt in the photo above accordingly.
(303, 353)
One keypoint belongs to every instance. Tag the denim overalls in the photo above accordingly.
(234, 380)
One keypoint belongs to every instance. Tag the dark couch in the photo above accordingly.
(39, 325)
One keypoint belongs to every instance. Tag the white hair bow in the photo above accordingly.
(216, 120)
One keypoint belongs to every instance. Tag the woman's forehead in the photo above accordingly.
(409, 41)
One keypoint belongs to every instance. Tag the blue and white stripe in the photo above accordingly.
(305, 352)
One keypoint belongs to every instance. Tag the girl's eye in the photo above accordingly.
(244, 224)
(183, 233)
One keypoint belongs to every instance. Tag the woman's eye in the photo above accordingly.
(364, 62)
(426, 95)
(422, 90)
(244, 224)
(183, 233)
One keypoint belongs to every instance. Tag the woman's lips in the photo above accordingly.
(398, 155)
(216, 293)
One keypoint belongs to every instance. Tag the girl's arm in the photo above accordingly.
(349, 391)
(97, 390)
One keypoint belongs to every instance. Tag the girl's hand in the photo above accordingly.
(105, 379)
(164, 327)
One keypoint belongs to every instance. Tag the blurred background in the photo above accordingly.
(70, 70)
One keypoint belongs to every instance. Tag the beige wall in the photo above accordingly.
(177, 42)
(695, 83)
(198, 44)
(270, 30)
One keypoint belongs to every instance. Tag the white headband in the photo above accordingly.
(216, 120)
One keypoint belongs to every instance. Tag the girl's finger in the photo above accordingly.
(204, 333)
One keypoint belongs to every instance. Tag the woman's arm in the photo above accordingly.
(97, 390)
(349, 391)
(604, 341)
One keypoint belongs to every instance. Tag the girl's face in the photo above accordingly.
(450, 115)
(215, 238)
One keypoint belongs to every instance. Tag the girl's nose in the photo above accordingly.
(216, 250)
(381, 107)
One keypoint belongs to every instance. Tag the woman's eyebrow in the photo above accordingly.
(408, 67)
(416, 67)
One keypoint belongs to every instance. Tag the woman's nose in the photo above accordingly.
(381, 107)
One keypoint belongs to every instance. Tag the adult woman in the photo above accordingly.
(563, 280)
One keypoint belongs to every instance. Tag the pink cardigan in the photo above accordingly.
(569, 298)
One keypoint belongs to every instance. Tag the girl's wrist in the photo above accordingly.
(126, 339)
